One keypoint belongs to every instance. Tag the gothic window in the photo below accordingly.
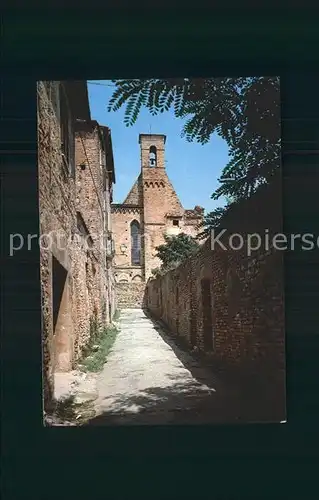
(135, 244)
(192, 317)
(152, 156)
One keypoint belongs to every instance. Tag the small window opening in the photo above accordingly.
(175, 222)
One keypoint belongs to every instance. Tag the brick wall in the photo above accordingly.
(229, 304)
(153, 202)
(57, 217)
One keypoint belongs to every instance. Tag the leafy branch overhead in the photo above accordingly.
(245, 112)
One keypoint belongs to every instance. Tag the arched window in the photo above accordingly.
(152, 156)
(135, 244)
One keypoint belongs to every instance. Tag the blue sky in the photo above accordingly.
(192, 168)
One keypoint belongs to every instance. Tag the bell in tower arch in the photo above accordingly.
(152, 156)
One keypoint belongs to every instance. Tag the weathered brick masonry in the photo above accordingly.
(130, 295)
(76, 281)
(230, 305)
(94, 191)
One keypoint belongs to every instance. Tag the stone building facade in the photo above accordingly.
(76, 175)
(230, 305)
(150, 210)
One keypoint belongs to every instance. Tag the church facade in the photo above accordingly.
(150, 210)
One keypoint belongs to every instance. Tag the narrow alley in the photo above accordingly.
(147, 379)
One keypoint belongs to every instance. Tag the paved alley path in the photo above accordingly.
(148, 380)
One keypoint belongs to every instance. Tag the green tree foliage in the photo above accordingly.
(174, 251)
(245, 112)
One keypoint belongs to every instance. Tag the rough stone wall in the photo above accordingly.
(57, 217)
(122, 217)
(229, 304)
(111, 285)
(72, 276)
(186, 225)
(153, 202)
(93, 203)
(130, 295)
